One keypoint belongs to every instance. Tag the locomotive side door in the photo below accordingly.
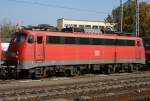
(39, 49)
(138, 49)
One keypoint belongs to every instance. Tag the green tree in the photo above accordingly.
(145, 19)
(109, 19)
(6, 28)
(129, 17)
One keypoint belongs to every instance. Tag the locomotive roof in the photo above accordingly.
(79, 34)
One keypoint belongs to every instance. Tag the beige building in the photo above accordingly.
(63, 23)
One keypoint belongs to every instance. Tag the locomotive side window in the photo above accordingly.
(39, 39)
(83, 41)
(125, 42)
(88, 41)
(31, 39)
(121, 42)
(109, 42)
(96, 41)
(53, 39)
(130, 42)
(69, 40)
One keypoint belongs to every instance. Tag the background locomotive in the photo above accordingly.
(42, 53)
(0, 54)
(146, 41)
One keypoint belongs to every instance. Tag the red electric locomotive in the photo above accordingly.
(42, 53)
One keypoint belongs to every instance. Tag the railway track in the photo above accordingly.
(95, 89)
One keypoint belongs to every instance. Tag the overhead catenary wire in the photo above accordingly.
(57, 6)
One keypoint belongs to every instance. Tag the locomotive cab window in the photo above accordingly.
(31, 39)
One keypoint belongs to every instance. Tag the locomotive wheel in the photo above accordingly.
(49, 73)
(130, 68)
(76, 71)
(67, 73)
(33, 75)
(23, 74)
(108, 69)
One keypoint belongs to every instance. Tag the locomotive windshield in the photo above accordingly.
(20, 37)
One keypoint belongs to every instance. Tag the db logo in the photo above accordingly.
(97, 53)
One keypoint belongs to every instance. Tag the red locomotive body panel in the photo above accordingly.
(40, 48)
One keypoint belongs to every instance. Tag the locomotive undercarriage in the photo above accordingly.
(12, 71)
(50, 71)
